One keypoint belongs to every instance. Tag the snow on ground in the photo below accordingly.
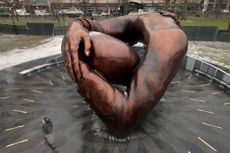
(214, 52)
(52, 46)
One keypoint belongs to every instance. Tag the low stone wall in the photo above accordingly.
(205, 69)
(55, 61)
(208, 70)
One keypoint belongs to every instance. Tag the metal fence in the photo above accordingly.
(40, 28)
(203, 33)
(30, 28)
(13, 29)
(199, 33)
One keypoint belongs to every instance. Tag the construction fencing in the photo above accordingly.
(13, 29)
(40, 28)
(201, 33)
(197, 33)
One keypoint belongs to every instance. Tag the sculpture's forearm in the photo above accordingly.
(132, 28)
(118, 111)
(124, 28)
(107, 101)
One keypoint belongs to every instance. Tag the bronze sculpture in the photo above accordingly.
(106, 50)
(166, 44)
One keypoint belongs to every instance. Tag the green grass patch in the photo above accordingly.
(221, 23)
(9, 42)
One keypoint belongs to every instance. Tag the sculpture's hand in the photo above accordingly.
(76, 34)
(85, 70)
(172, 15)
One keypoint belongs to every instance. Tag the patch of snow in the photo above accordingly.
(209, 51)
(18, 56)
(212, 52)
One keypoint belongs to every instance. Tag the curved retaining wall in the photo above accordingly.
(210, 71)
(55, 61)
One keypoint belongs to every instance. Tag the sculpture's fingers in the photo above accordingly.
(172, 15)
(69, 64)
(74, 45)
(84, 69)
(66, 53)
(87, 42)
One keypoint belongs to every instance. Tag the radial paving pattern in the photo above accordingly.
(192, 117)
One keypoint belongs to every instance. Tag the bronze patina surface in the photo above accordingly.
(166, 44)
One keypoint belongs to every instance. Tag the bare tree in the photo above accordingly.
(49, 7)
(125, 5)
(13, 12)
(54, 8)
(214, 5)
(167, 4)
(84, 4)
(174, 5)
(199, 8)
(122, 5)
(218, 8)
(185, 9)
(227, 6)
(12, 4)
(95, 7)
(107, 6)
(205, 8)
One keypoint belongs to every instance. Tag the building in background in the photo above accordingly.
(121, 6)
(94, 6)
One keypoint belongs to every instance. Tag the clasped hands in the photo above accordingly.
(70, 49)
(85, 51)
(95, 61)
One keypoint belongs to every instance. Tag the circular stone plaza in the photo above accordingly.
(192, 116)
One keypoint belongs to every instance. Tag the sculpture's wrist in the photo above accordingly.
(84, 23)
